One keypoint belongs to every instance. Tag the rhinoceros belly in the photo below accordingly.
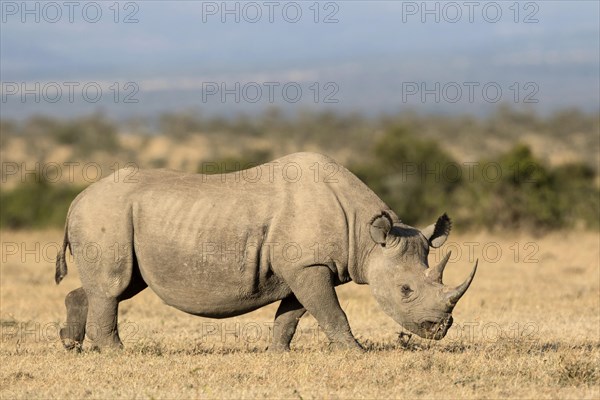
(206, 255)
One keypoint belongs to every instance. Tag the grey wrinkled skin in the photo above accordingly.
(223, 245)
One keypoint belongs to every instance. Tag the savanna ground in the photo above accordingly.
(529, 327)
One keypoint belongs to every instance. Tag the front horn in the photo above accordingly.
(455, 294)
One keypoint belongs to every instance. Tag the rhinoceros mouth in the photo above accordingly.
(436, 329)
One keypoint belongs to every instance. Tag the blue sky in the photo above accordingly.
(374, 53)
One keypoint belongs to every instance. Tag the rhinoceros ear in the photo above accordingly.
(380, 226)
(437, 233)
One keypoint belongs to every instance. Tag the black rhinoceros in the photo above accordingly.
(223, 245)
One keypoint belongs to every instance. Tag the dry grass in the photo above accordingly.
(524, 330)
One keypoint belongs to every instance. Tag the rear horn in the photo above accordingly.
(436, 273)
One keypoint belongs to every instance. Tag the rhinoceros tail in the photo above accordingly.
(61, 263)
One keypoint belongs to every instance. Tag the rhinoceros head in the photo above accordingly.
(406, 288)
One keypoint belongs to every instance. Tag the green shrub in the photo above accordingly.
(89, 134)
(579, 195)
(528, 194)
(36, 204)
(413, 176)
(517, 194)
(180, 125)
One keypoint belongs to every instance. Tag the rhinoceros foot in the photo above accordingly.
(278, 348)
(346, 347)
(70, 344)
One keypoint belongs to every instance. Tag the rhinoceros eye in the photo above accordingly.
(406, 290)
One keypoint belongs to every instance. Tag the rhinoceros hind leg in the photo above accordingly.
(286, 320)
(136, 285)
(73, 334)
(101, 325)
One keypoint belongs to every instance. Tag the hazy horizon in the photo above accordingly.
(378, 57)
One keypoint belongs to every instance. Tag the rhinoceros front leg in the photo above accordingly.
(286, 320)
(314, 288)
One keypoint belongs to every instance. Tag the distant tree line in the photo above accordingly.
(404, 158)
